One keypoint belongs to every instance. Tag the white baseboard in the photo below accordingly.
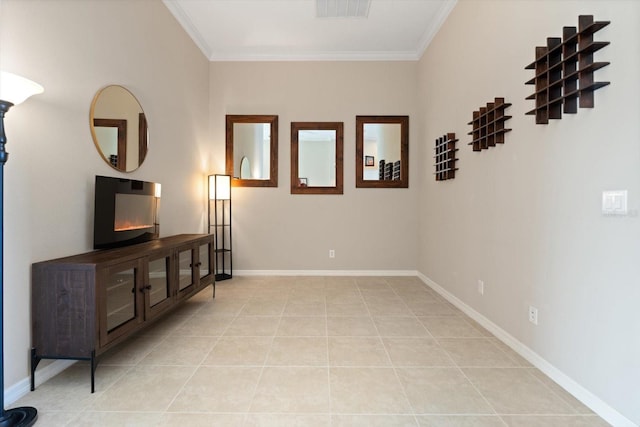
(601, 408)
(20, 389)
(325, 273)
(593, 402)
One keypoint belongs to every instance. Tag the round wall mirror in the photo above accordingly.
(119, 128)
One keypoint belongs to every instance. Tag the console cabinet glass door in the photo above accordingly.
(185, 269)
(158, 286)
(122, 309)
(195, 265)
(204, 260)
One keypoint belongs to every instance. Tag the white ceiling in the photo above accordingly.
(288, 30)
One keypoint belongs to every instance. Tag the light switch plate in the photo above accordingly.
(614, 202)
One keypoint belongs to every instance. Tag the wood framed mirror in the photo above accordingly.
(382, 151)
(317, 157)
(119, 128)
(252, 150)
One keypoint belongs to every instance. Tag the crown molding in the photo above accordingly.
(434, 27)
(319, 56)
(183, 18)
(414, 55)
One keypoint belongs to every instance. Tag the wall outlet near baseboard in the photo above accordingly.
(533, 315)
(332, 253)
(481, 287)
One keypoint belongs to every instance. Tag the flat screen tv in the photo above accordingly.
(126, 212)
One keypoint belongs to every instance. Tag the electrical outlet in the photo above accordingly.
(332, 253)
(533, 315)
(481, 287)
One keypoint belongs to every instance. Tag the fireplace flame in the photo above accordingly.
(129, 225)
(134, 212)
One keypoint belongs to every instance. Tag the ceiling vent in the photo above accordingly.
(342, 8)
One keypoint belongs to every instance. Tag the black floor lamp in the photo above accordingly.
(13, 90)
(220, 194)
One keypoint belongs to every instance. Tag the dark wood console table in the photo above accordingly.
(85, 304)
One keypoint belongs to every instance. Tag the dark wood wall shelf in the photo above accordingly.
(488, 125)
(446, 157)
(564, 71)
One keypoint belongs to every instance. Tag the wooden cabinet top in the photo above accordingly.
(118, 255)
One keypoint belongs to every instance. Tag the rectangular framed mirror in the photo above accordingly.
(252, 150)
(382, 151)
(316, 157)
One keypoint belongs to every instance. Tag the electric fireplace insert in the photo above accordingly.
(126, 212)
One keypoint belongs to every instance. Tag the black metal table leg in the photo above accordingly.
(94, 365)
(34, 364)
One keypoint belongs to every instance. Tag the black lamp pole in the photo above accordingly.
(24, 416)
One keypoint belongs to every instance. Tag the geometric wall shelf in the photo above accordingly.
(488, 125)
(446, 157)
(564, 71)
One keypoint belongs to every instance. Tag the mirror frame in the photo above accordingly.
(403, 182)
(143, 132)
(295, 178)
(231, 119)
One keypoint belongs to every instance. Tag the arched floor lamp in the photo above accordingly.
(13, 90)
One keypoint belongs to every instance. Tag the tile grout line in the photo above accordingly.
(181, 390)
(395, 368)
(553, 392)
(392, 365)
(264, 365)
(296, 289)
(454, 365)
(326, 331)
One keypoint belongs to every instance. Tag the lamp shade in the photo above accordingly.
(157, 190)
(219, 187)
(16, 89)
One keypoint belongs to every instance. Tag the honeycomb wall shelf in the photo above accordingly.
(489, 125)
(564, 71)
(445, 157)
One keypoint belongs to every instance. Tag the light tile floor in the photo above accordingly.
(311, 351)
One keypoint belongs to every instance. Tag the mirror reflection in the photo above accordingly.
(316, 158)
(251, 150)
(119, 128)
(245, 168)
(251, 141)
(382, 151)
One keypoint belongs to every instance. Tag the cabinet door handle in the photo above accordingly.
(145, 288)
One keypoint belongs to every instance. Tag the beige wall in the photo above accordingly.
(370, 229)
(74, 48)
(525, 217)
